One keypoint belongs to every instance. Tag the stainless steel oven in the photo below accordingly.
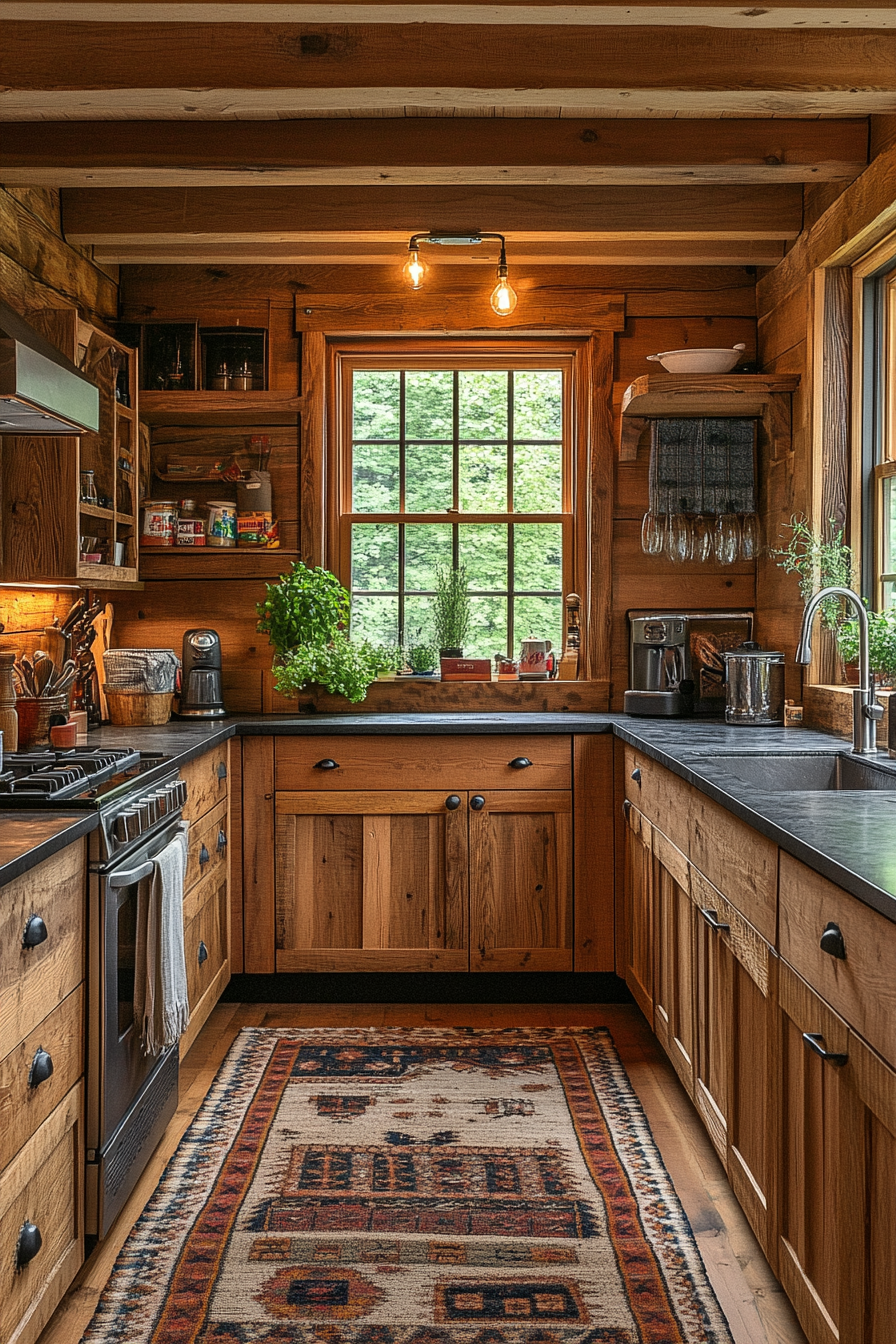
(130, 1096)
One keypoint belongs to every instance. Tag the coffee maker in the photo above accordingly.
(659, 667)
(200, 695)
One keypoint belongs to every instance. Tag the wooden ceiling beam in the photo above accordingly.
(702, 13)
(435, 151)
(338, 253)
(313, 59)
(167, 215)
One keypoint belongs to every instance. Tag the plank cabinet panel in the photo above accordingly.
(640, 931)
(207, 846)
(809, 1204)
(860, 986)
(36, 978)
(449, 762)
(377, 880)
(23, 1108)
(738, 860)
(659, 795)
(675, 988)
(521, 881)
(207, 781)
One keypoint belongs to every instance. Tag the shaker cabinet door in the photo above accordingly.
(372, 881)
(521, 880)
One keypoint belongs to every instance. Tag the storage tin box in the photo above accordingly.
(466, 669)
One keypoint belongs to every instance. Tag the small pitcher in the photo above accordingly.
(537, 662)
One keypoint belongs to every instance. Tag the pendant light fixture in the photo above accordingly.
(503, 297)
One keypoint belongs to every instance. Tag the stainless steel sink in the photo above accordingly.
(800, 774)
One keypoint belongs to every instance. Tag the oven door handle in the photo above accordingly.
(131, 875)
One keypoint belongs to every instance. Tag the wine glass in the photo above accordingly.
(678, 538)
(726, 538)
(653, 533)
(701, 539)
(750, 537)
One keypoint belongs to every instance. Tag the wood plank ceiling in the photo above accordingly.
(595, 133)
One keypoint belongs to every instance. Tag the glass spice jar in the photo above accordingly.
(191, 524)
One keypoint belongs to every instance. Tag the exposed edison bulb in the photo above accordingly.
(414, 269)
(503, 296)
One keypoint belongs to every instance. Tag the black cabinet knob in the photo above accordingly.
(832, 942)
(28, 1244)
(520, 763)
(222, 770)
(477, 802)
(815, 1041)
(41, 1068)
(35, 932)
(222, 841)
(626, 809)
(326, 764)
(203, 856)
(452, 802)
(202, 954)
(636, 775)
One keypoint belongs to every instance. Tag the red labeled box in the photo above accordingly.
(466, 669)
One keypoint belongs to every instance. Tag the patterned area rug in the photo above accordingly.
(414, 1187)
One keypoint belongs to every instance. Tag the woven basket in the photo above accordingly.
(138, 709)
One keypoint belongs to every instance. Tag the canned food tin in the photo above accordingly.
(159, 522)
(221, 522)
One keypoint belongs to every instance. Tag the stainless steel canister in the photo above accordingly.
(754, 686)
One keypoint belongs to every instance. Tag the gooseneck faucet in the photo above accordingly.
(866, 712)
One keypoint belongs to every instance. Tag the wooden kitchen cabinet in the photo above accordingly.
(639, 934)
(521, 880)
(674, 937)
(206, 885)
(372, 881)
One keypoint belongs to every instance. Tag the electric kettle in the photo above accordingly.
(200, 696)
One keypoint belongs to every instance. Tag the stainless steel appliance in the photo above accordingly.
(754, 686)
(200, 696)
(130, 1097)
(659, 673)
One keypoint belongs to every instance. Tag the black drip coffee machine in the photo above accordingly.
(200, 696)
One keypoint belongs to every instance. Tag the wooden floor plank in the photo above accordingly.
(751, 1297)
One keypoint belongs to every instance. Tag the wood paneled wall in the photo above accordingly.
(39, 269)
(666, 308)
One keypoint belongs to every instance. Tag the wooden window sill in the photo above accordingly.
(428, 695)
(829, 709)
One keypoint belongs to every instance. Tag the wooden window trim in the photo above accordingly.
(590, 409)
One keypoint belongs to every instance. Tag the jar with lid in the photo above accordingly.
(241, 380)
(221, 378)
(88, 487)
(221, 522)
(191, 523)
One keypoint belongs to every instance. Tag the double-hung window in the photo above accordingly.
(879, 435)
(449, 460)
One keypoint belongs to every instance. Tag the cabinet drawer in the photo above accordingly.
(738, 860)
(207, 781)
(661, 796)
(42, 1186)
(438, 762)
(861, 986)
(25, 1102)
(34, 978)
(205, 937)
(207, 846)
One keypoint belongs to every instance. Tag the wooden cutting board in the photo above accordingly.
(103, 627)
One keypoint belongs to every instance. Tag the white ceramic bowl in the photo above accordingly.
(699, 361)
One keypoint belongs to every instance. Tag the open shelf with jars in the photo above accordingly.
(70, 505)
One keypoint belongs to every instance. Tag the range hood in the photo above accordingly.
(41, 392)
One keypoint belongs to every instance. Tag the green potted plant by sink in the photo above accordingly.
(451, 610)
(305, 616)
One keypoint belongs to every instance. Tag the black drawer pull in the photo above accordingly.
(41, 1068)
(222, 770)
(326, 764)
(714, 922)
(35, 932)
(203, 856)
(28, 1245)
(452, 802)
(520, 763)
(202, 954)
(626, 809)
(477, 802)
(222, 841)
(832, 942)
(636, 775)
(815, 1041)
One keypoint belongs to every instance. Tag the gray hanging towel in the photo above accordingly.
(703, 465)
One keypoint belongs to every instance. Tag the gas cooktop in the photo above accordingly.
(77, 778)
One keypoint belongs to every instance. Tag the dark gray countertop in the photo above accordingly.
(27, 838)
(848, 837)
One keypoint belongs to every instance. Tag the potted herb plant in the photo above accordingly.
(451, 612)
(819, 563)
(304, 616)
(422, 659)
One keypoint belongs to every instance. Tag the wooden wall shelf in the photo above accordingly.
(653, 397)
(221, 408)
(213, 562)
